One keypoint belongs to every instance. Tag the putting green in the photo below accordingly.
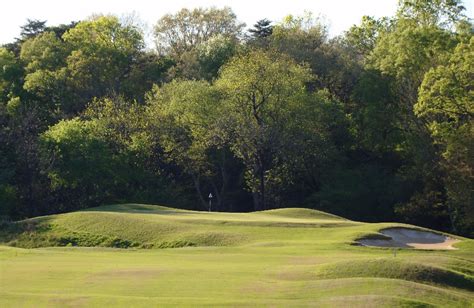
(288, 257)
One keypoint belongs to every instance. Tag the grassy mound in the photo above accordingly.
(302, 213)
(150, 226)
(373, 301)
(103, 229)
(397, 269)
(136, 208)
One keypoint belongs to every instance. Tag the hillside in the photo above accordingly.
(284, 257)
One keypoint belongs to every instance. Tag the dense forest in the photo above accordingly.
(375, 124)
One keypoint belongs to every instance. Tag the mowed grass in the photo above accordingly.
(286, 257)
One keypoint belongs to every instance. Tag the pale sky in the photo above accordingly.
(339, 15)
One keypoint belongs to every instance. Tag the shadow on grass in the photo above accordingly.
(40, 232)
(397, 269)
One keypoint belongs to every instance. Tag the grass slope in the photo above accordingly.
(285, 257)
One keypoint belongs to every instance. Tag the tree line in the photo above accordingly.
(375, 124)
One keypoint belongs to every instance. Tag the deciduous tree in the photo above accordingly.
(262, 91)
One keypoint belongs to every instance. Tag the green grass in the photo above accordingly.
(285, 257)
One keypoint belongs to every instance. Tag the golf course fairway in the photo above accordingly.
(135, 255)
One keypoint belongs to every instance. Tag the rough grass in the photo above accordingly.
(278, 258)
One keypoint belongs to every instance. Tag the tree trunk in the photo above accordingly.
(256, 201)
(261, 175)
(259, 193)
(218, 195)
(220, 192)
(452, 217)
(262, 188)
(197, 186)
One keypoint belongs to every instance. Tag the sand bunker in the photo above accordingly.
(410, 238)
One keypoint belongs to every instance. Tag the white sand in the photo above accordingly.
(410, 238)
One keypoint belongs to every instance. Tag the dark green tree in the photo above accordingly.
(32, 28)
(262, 29)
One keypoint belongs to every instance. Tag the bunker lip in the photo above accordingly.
(410, 238)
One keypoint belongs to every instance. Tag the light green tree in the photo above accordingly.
(78, 161)
(96, 57)
(416, 40)
(102, 53)
(10, 75)
(446, 101)
(45, 57)
(182, 116)
(421, 37)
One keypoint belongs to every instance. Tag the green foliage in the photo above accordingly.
(213, 54)
(8, 200)
(78, 160)
(444, 13)
(145, 70)
(301, 37)
(376, 116)
(364, 37)
(45, 56)
(446, 101)
(409, 53)
(183, 114)
(105, 33)
(184, 119)
(32, 28)
(367, 190)
(200, 41)
(43, 52)
(262, 29)
(95, 57)
(304, 38)
(13, 106)
(10, 72)
(121, 121)
(263, 94)
(445, 94)
(427, 206)
(103, 50)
